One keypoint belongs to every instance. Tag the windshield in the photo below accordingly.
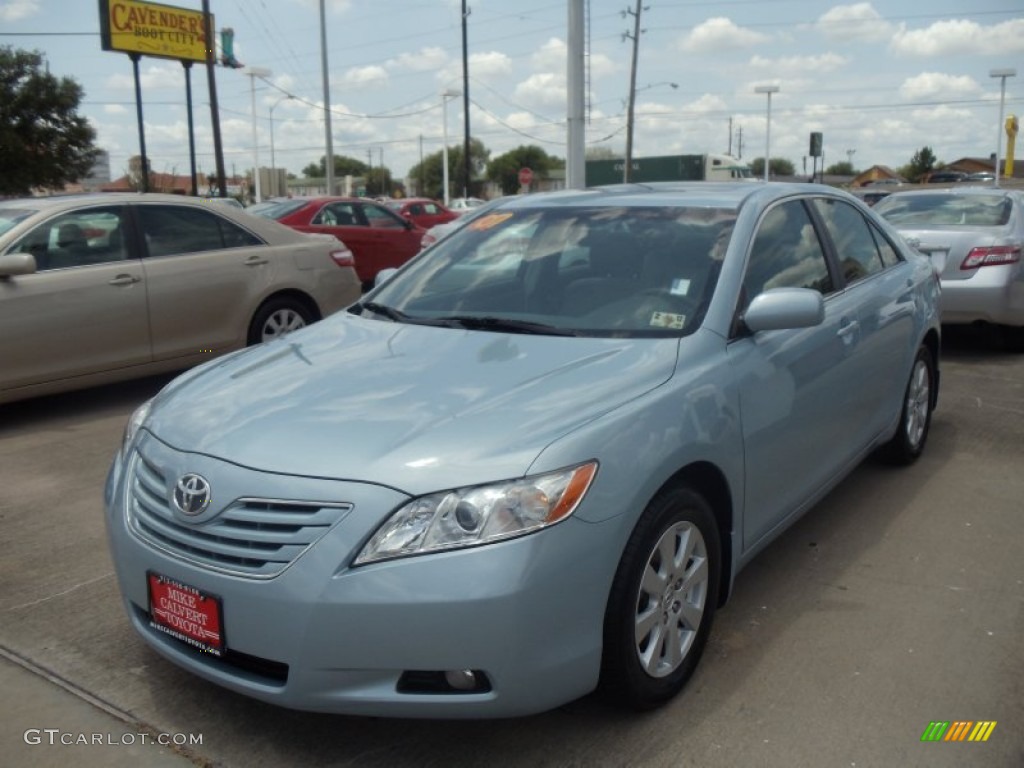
(9, 217)
(597, 272)
(946, 210)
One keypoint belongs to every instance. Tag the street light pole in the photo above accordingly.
(768, 90)
(1002, 74)
(445, 95)
(252, 73)
(273, 162)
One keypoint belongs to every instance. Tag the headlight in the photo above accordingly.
(467, 517)
(133, 425)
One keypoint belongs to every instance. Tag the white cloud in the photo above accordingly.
(551, 56)
(960, 36)
(718, 34)
(155, 77)
(15, 10)
(424, 60)
(800, 65)
(859, 22)
(484, 66)
(366, 77)
(543, 89)
(115, 109)
(931, 84)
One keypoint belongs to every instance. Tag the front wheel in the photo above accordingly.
(276, 318)
(916, 417)
(662, 601)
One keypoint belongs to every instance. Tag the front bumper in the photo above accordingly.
(527, 613)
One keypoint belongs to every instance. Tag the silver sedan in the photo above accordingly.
(975, 237)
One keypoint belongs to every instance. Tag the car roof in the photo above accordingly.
(711, 194)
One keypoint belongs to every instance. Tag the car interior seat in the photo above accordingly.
(73, 248)
(614, 273)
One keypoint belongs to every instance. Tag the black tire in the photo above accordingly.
(277, 317)
(647, 618)
(916, 416)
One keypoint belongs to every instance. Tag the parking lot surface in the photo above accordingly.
(897, 602)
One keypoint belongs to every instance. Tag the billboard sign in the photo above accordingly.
(152, 29)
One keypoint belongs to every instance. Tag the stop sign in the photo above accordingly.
(525, 177)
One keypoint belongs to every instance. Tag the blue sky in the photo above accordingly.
(879, 79)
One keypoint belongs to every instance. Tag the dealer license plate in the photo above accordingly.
(186, 613)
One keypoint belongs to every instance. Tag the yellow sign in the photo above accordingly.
(152, 29)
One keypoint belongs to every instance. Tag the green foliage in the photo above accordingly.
(841, 169)
(429, 174)
(921, 164)
(504, 169)
(343, 166)
(779, 166)
(44, 142)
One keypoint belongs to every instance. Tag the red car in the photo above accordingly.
(378, 238)
(423, 211)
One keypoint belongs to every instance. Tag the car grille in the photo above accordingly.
(252, 537)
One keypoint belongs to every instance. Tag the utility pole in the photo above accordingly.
(465, 99)
(730, 137)
(626, 168)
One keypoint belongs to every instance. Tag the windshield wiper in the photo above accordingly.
(488, 323)
(382, 309)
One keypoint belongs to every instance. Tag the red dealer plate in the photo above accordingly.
(186, 613)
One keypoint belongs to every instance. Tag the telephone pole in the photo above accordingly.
(626, 169)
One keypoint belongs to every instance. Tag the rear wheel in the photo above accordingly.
(916, 416)
(662, 601)
(277, 317)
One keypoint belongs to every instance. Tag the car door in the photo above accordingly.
(876, 293)
(394, 240)
(342, 220)
(794, 385)
(83, 311)
(204, 276)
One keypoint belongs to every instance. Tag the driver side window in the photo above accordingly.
(786, 253)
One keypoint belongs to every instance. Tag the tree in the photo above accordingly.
(602, 153)
(429, 172)
(44, 142)
(504, 169)
(779, 166)
(921, 164)
(844, 168)
(343, 166)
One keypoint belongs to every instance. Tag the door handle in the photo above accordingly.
(124, 280)
(848, 330)
(255, 261)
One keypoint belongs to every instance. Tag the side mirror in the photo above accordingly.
(383, 276)
(783, 308)
(13, 264)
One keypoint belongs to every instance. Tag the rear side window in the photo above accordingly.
(171, 230)
(856, 248)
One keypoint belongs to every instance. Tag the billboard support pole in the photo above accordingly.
(142, 131)
(191, 128)
(218, 148)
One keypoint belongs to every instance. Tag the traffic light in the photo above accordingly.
(815, 144)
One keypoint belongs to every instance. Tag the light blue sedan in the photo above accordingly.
(531, 463)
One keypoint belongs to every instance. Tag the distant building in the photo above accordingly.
(99, 174)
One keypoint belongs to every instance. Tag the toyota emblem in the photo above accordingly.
(191, 494)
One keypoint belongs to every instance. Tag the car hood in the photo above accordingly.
(412, 407)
